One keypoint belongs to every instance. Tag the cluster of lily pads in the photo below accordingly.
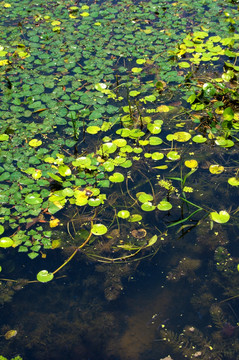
(78, 119)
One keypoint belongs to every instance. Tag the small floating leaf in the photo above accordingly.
(191, 164)
(124, 214)
(116, 177)
(182, 136)
(135, 218)
(199, 139)
(44, 276)
(6, 242)
(134, 93)
(64, 170)
(99, 229)
(136, 70)
(93, 129)
(216, 169)
(10, 334)
(173, 155)
(4, 137)
(35, 143)
(233, 181)
(94, 202)
(164, 205)
(221, 217)
(54, 222)
(143, 197)
(154, 140)
(148, 206)
(33, 199)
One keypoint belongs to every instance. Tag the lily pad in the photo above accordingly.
(99, 229)
(33, 199)
(164, 205)
(116, 177)
(44, 276)
(191, 164)
(124, 214)
(233, 181)
(216, 169)
(221, 217)
(6, 242)
(35, 143)
(173, 155)
(199, 139)
(143, 197)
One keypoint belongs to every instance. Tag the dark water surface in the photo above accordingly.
(165, 306)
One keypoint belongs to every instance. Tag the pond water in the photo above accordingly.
(119, 180)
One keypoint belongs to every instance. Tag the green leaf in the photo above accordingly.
(44, 276)
(6, 242)
(99, 229)
(221, 217)
(164, 205)
(64, 170)
(1, 229)
(228, 114)
(233, 181)
(4, 137)
(124, 214)
(33, 199)
(116, 177)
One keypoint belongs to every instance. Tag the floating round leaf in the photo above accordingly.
(35, 143)
(64, 170)
(140, 61)
(6, 242)
(68, 192)
(221, 217)
(216, 169)
(135, 218)
(154, 140)
(157, 156)
(124, 214)
(143, 197)
(116, 177)
(233, 181)
(148, 206)
(164, 205)
(221, 141)
(108, 165)
(191, 164)
(173, 155)
(44, 276)
(199, 139)
(93, 129)
(120, 142)
(82, 161)
(94, 202)
(182, 136)
(134, 93)
(154, 128)
(33, 199)
(99, 229)
(108, 148)
(136, 70)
